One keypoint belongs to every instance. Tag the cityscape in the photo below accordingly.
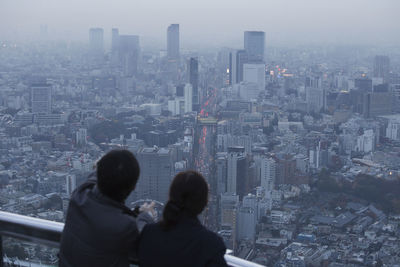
(300, 144)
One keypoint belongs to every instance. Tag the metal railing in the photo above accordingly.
(49, 233)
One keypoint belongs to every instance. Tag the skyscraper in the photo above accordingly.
(81, 137)
(114, 40)
(41, 98)
(156, 170)
(193, 76)
(70, 184)
(221, 163)
(188, 98)
(255, 73)
(254, 43)
(173, 42)
(364, 84)
(381, 67)
(129, 51)
(236, 174)
(315, 94)
(268, 174)
(96, 41)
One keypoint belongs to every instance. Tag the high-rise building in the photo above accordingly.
(81, 137)
(173, 42)
(224, 65)
(364, 84)
(156, 171)
(229, 205)
(96, 41)
(254, 44)
(241, 58)
(246, 223)
(180, 90)
(237, 172)
(188, 98)
(381, 67)
(395, 89)
(129, 52)
(176, 106)
(221, 163)
(193, 77)
(114, 40)
(268, 173)
(41, 98)
(70, 184)
(255, 73)
(376, 104)
(285, 169)
(315, 94)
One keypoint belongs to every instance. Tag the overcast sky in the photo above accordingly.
(213, 22)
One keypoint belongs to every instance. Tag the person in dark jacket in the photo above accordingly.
(180, 239)
(99, 229)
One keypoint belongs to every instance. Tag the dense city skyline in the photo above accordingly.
(289, 109)
(289, 22)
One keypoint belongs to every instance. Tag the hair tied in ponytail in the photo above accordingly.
(176, 207)
(188, 196)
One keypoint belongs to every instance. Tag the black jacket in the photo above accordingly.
(187, 244)
(98, 230)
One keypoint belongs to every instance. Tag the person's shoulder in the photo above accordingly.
(83, 189)
(211, 238)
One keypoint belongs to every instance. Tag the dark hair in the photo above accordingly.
(117, 174)
(188, 196)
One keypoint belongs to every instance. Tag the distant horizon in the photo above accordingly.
(209, 23)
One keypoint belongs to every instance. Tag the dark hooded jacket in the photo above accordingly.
(99, 231)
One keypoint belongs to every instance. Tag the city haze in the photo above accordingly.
(212, 23)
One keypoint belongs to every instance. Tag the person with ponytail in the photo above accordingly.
(179, 239)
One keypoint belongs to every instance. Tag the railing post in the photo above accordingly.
(1, 251)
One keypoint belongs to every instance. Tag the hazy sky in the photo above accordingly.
(213, 22)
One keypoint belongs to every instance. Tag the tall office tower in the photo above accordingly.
(221, 171)
(96, 41)
(228, 204)
(254, 43)
(246, 223)
(114, 40)
(377, 103)
(156, 170)
(395, 89)
(268, 174)
(315, 94)
(81, 137)
(70, 185)
(285, 169)
(224, 64)
(193, 77)
(381, 67)
(188, 98)
(129, 51)
(241, 58)
(237, 171)
(180, 90)
(173, 41)
(41, 98)
(254, 73)
(364, 84)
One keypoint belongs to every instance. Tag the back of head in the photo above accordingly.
(188, 196)
(117, 174)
